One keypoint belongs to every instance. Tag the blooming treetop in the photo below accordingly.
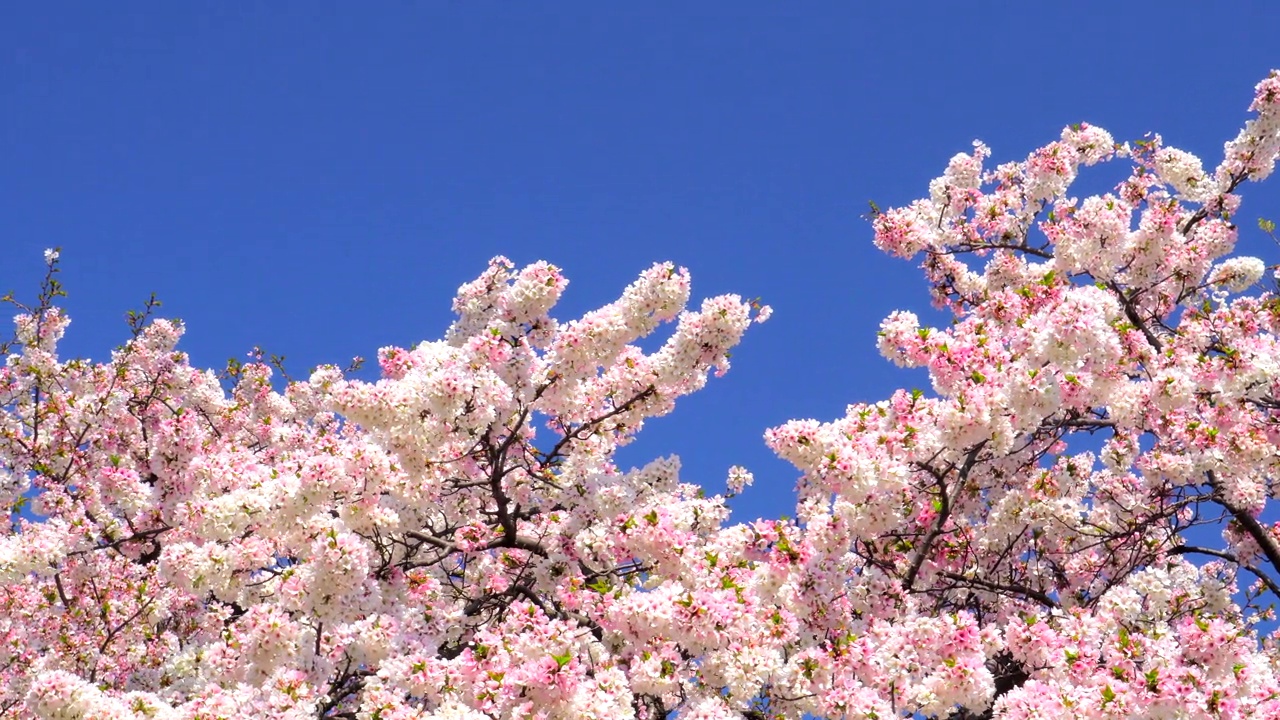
(964, 551)
(412, 548)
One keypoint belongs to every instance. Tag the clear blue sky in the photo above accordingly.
(318, 178)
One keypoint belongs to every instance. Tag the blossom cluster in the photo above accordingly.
(193, 545)
(1103, 404)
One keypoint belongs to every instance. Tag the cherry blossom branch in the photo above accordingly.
(1231, 558)
(1250, 524)
(113, 632)
(1037, 595)
(944, 512)
(1131, 312)
(590, 425)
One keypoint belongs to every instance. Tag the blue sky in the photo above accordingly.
(318, 178)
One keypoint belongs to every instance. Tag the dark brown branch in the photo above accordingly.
(136, 537)
(112, 633)
(944, 513)
(1248, 522)
(1030, 593)
(1131, 312)
(1229, 557)
(1203, 212)
(576, 433)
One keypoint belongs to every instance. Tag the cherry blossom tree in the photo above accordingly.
(1070, 524)
(344, 549)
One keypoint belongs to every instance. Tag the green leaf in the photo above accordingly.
(562, 660)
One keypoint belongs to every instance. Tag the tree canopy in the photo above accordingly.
(1071, 522)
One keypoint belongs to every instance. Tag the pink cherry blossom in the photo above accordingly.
(1071, 520)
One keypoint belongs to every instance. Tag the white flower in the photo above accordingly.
(1184, 172)
(1238, 273)
(739, 478)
